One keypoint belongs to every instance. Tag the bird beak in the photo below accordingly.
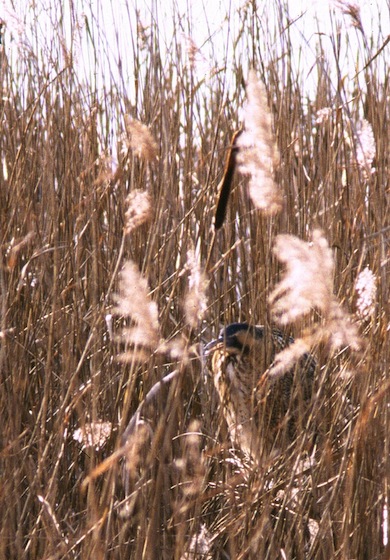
(212, 346)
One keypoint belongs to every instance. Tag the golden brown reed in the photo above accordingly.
(63, 203)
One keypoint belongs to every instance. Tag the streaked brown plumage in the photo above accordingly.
(264, 419)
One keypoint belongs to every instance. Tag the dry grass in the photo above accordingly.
(95, 183)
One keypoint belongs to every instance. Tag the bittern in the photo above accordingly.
(261, 418)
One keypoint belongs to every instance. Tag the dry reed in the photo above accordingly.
(94, 202)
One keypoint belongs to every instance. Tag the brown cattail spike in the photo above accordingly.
(225, 185)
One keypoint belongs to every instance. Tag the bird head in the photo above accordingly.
(238, 339)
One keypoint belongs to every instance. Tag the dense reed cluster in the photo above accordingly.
(113, 278)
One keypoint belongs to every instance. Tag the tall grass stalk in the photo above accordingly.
(99, 181)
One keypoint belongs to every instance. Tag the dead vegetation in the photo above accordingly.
(109, 250)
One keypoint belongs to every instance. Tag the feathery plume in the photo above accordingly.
(365, 288)
(288, 358)
(93, 434)
(195, 303)
(133, 302)
(258, 156)
(308, 281)
(365, 148)
(323, 115)
(140, 139)
(339, 329)
(307, 285)
(194, 53)
(352, 10)
(139, 209)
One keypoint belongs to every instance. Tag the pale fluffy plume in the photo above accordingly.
(140, 139)
(93, 434)
(139, 209)
(289, 357)
(308, 281)
(323, 115)
(307, 285)
(195, 303)
(134, 302)
(366, 291)
(365, 148)
(351, 9)
(258, 156)
(194, 54)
